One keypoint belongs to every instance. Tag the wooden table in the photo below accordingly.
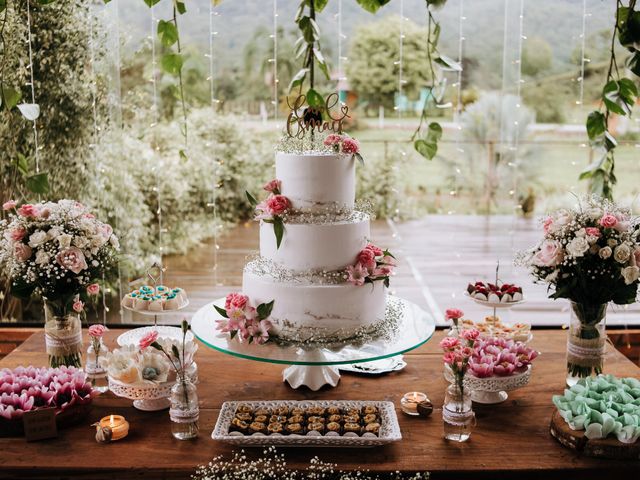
(511, 440)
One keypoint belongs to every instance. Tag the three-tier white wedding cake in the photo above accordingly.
(317, 276)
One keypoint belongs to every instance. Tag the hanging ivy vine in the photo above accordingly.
(618, 97)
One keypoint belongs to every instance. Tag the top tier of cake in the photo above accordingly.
(317, 183)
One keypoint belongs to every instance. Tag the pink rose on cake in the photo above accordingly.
(372, 264)
(273, 186)
(278, 204)
(367, 259)
(350, 145)
(236, 300)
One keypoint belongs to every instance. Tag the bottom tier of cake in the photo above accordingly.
(306, 311)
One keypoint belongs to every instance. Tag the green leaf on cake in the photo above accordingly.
(252, 199)
(359, 158)
(264, 310)
(386, 282)
(278, 229)
(221, 311)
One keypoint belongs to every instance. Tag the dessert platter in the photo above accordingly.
(316, 294)
(331, 423)
(494, 295)
(155, 300)
(492, 326)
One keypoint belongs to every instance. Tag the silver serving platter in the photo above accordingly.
(389, 430)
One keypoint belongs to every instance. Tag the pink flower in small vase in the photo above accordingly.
(449, 358)
(93, 289)
(377, 251)
(356, 274)
(17, 234)
(97, 330)
(470, 335)
(22, 252)
(148, 339)
(449, 343)
(72, 259)
(28, 210)
(9, 205)
(78, 306)
(453, 314)
(273, 186)
(367, 259)
(350, 145)
(278, 204)
(236, 300)
(608, 221)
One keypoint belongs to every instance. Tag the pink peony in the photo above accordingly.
(17, 234)
(97, 330)
(350, 145)
(22, 252)
(367, 259)
(470, 335)
(72, 259)
(28, 210)
(273, 186)
(593, 232)
(449, 343)
(357, 274)
(78, 306)
(278, 204)
(9, 205)
(332, 139)
(377, 251)
(236, 300)
(549, 255)
(546, 225)
(93, 289)
(453, 314)
(608, 221)
(148, 339)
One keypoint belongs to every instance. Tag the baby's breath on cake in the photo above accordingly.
(262, 266)
(306, 145)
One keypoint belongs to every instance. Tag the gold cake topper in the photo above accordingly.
(311, 119)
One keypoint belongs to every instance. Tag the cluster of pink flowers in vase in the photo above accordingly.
(28, 388)
(500, 357)
(343, 144)
(372, 264)
(248, 323)
(458, 352)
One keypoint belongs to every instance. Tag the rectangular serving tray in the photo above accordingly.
(389, 429)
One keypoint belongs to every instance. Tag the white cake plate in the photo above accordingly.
(315, 366)
(133, 336)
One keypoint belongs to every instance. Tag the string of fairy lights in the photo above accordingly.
(460, 151)
(274, 61)
(342, 59)
(514, 164)
(583, 61)
(32, 86)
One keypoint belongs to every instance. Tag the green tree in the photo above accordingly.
(537, 56)
(373, 69)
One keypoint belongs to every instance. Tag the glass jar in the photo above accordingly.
(457, 413)
(586, 341)
(95, 373)
(63, 336)
(184, 411)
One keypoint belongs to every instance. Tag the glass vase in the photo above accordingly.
(586, 341)
(95, 373)
(184, 411)
(457, 413)
(63, 336)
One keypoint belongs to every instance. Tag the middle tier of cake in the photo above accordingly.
(316, 246)
(306, 310)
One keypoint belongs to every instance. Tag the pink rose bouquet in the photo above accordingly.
(372, 264)
(272, 209)
(243, 320)
(56, 250)
(344, 144)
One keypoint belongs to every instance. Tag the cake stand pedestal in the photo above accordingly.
(315, 366)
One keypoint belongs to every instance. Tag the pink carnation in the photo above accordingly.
(453, 314)
(97, 330)
(22, 252)
(332, 139)
(608, 221)
(593, 232)
(93, 289)
(28, 210)
(236, 300)
(350, 145)
(449, 358)
(449, 343)
(9, 205)
(148, 339)
(72, 259)
(356, 274)
(278, 204)
(377, 251)
(367, 259)
(273, 186)
(17, 234)
(470, 335)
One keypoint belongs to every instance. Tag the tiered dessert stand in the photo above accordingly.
(491, 390)
(316, 366)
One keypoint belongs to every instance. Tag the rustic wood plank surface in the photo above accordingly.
(512, 439)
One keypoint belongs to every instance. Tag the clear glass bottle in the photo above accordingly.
(95, 373)
(184, 411)
(457, 413)
(586, 341)
(63, 336)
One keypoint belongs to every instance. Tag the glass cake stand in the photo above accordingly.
(315, 365)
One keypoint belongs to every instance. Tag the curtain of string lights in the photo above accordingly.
(274, 61)
(214, 15)
(458, 111)
(32, 86)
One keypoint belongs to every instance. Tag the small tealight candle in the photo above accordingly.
(409, 402)
(118, 425)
